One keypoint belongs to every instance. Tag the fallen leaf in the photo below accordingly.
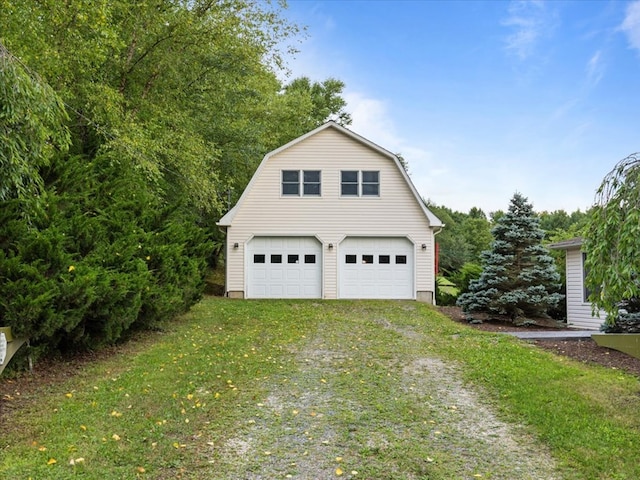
(52, 461)
(339, 471)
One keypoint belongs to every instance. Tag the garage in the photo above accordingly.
(284, 267)
(376, 267)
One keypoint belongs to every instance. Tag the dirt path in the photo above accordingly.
(376, 406)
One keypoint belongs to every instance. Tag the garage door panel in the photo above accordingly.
(284, 267)
(380, 267)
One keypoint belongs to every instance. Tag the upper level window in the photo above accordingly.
(370, 183)
(290, 182)
(360, 183)
(310, 182)
(349, 182)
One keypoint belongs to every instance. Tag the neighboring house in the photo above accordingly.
(579, 310)
(330, 215)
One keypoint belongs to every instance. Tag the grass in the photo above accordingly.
(292, 387)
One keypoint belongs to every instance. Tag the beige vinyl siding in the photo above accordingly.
(330, 217)
(578, 311)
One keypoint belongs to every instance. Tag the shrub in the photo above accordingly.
(103, 255)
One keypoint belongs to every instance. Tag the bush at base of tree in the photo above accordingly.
(519, 278)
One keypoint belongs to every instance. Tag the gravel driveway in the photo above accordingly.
(369, 401)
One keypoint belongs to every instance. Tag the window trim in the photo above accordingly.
(376, 183)
(305, 183)
(301, 183)
(289, 183)
(360, 183)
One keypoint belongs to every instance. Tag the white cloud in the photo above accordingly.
(372, 120)
(631, 25)
(595, 68)
(530, 21)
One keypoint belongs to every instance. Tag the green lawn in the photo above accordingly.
(349, 385)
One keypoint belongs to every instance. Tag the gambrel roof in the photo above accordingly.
(434, 222)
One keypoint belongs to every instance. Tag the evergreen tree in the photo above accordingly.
(519, 277)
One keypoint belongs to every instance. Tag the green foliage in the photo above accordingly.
(463, 239)
(612, 242)
(446, 291)
(468, 272)
(102, 257)
(32, 128)
(518, 277)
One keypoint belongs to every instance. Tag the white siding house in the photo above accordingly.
(579, 312)
(330, 215)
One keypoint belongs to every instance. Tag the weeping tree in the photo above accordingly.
(612, 246)
(519, 278)
(32, 129)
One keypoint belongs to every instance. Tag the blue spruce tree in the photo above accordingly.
(519, 278)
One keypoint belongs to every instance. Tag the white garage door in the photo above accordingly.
(376, 268)
(284, 267)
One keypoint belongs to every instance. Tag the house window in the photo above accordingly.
(290, 182)
(384, 259)
(371, 183)
(292, 258)
(354, 183)
(350, 259)
(258, 258)
(401, 259)
(349, 183)
(367, 258)
(310, 183)
(309, 259)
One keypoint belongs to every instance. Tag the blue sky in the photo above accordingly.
(485, 98)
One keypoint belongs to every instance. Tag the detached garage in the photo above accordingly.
(330, 215)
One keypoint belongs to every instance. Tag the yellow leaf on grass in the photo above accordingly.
(68, 395)
(339, 471)
(140, 470)
(116, 437)
(52, 461)
(42, 448)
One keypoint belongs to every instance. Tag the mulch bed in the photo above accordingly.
(583, 350)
